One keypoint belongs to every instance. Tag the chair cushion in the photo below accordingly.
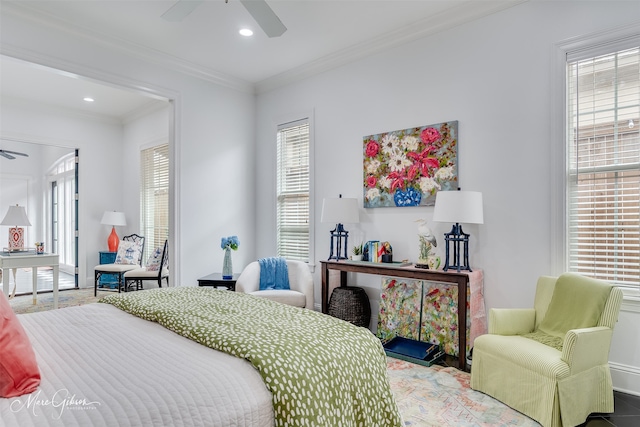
(19, 373)
(284, 296)
(128, 252)
(145, 273)
(153, 264)
(115, 268)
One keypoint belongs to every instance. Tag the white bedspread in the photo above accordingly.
(103, 367)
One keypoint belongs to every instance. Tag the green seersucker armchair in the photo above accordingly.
(550, 362)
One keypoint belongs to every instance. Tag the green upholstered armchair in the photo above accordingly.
(550, 362)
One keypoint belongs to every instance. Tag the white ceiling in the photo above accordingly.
(320, 34)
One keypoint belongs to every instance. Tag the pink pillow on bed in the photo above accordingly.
(19, 373)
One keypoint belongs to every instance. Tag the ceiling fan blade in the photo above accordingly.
(180, 10)
(8, 156)
(265, 17)
(15, 152)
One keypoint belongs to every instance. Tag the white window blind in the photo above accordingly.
(293, 229)
(154, 197)
(604, 166)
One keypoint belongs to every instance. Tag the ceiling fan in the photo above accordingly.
(258, 9)
(9, 154)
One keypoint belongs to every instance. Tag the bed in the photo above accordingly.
(102, 365)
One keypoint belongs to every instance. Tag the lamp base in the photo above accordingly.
(457, 236)
(113, 241)
(16, 239)
(339, 234)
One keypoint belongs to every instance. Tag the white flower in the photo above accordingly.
(372, 166)
(398, 162)
(384, 182)
(372, 193)
(410, 143)
(390, 144)
(444, 174)
(428, 184)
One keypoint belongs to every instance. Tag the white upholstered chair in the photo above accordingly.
(300, 293)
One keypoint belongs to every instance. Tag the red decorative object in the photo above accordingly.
(113, 241)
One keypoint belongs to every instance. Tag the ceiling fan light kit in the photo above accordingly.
(258, 9)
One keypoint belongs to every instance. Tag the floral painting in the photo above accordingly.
(408, 167)
(400, 309)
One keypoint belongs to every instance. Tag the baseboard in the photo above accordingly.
(626, 379)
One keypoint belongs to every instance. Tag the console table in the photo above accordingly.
(461, 280)
(22, 260)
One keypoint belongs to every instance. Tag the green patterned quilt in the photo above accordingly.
(320, 370)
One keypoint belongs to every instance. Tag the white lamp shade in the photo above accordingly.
(113, 218)
(459, 207)
(340, 211)
(16, 215)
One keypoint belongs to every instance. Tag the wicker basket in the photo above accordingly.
(351, 304)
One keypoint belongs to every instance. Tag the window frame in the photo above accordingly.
(150, 244)
(307, 116)
(576, 48)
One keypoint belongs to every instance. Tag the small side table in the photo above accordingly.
(216, 280)
(108, 280)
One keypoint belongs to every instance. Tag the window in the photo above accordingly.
(154, 197)
(603, 198)
(293, 190)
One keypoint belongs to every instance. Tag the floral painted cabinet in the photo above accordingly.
(428, 311)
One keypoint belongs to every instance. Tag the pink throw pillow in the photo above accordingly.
(19, 373)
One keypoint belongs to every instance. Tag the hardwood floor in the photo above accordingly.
(627, 413)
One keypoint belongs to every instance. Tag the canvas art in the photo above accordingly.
(408, 167)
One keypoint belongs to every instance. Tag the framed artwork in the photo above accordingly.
(408, 167)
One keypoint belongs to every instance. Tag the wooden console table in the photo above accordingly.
(461, 280)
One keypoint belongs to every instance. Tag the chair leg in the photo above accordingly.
(95, 283)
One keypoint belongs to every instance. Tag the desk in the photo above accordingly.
(23, 260)
(215, 280)
(460, 280)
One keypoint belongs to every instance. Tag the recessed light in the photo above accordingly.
(87, 99)
(246, 32)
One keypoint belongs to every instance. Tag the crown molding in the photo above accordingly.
(127, 47)
(143, 111)
(8, 101)
(463, 13)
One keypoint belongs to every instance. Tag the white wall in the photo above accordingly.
(212, 161)
(494, 76)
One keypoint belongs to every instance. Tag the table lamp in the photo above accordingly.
(339, 211)
(16, 215)
(113, 218)
(458, 207)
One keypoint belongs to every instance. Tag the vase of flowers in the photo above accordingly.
(227, 244)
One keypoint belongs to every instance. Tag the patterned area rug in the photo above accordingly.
(439, 396)
(427, 396)
(66, 298)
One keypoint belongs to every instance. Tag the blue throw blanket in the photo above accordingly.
(273, 273)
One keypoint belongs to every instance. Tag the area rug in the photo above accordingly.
(441, 396)
(67, 298)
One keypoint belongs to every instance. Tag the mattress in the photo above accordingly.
(101, 366)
